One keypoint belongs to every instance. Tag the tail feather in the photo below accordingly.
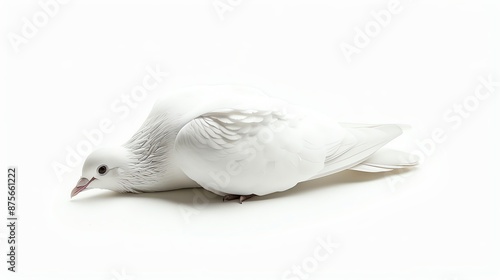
(364, 125)
(359, 143)
(360, 150)
(386, 160)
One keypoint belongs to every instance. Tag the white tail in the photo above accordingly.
(386, 160)
(360, 150)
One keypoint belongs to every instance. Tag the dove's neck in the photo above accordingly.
(152, 165)
(152, 158)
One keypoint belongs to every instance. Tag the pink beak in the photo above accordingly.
(81, 185)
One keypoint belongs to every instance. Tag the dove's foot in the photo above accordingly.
(242, 198)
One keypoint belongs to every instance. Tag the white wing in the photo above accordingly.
(359, 143)
(250, 151)
(264, 151)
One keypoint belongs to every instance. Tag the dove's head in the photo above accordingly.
(105, 168)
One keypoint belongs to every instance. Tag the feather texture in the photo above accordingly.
(236, 140)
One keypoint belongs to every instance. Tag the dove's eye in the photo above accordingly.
(102, 169)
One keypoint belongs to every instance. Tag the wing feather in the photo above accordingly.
(359, 143)
(238, 151)
(250, 151)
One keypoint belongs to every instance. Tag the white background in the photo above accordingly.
(440, 221)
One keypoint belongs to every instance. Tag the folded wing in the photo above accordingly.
(250, 151)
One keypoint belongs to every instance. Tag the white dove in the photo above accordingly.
(236, 142)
